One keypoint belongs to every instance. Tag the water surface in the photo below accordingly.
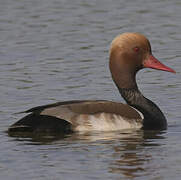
(58, 50)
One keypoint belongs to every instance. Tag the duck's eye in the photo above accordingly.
(136, 49)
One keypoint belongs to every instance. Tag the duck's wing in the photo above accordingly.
(80, 116)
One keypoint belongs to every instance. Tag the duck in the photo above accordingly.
(129, 53)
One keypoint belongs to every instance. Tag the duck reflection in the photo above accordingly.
(129, 151)
(131, 156)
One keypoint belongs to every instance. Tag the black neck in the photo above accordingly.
(153, 117)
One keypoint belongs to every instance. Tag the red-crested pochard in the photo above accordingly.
(129, 52)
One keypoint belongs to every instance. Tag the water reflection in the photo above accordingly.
(132, 155)
(128, 152)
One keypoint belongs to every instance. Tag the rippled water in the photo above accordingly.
(58, 50)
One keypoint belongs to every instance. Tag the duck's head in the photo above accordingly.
(130, 52)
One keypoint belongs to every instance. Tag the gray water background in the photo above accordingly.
(58, 50)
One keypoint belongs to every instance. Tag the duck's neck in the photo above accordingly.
(125, 80)
(153, 117)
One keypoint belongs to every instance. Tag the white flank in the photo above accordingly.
(106, 122)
